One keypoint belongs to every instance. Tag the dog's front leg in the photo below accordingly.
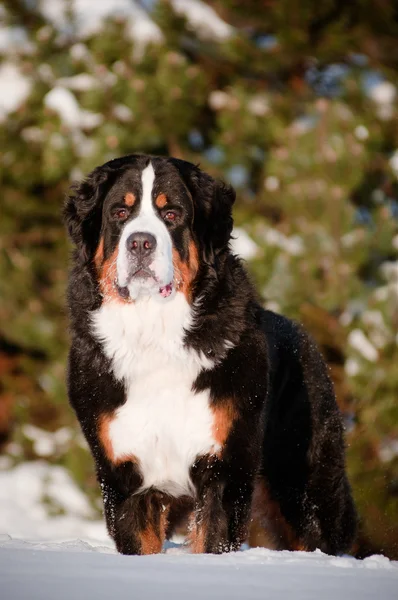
(219, 522)
(208, 529)
(237, 499)
(137, 523)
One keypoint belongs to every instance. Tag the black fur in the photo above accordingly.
(287, 435)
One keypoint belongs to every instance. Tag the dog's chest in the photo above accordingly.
(163, 424)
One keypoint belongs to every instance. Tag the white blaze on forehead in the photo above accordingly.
(147, 179)
(146, 221)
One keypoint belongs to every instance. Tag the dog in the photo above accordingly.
(196, 402)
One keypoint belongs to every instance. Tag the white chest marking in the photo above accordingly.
(163, 423)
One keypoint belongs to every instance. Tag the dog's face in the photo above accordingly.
(147, 225)
(146, 233)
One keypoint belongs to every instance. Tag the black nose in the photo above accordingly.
(141, 244)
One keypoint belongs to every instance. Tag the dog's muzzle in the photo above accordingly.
(144, 267)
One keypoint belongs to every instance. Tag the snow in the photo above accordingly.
(71, 556)
(361, 132)
(258, 105)
(78, 570)
(394, 163)
(383, 94)
(64, 103)
(16, 88)
(291, 244)
(91, 15)
(378, 331)
(352, 367)
(79, 51)
(271, 183)
(14, 39)
(303, 124)
(243, 245)
(388, 449)
(80, 83)
(389, 270)
(358, 340)
(203, 19)
(123, 113)
(350, 239)
(47, 443)
(23, 514)
(89, 18)
(218, 99)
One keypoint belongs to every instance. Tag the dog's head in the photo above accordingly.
(147, 225)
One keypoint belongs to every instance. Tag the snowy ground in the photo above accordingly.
(70, 556)
(32, 492)
(65, 571)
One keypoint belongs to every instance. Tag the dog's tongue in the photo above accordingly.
(166, 290)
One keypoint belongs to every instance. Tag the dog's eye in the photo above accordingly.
(120, 214)
(170, 215)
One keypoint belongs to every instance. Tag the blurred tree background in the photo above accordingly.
(295, 104)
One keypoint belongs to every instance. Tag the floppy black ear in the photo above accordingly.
(83, 212)
(213, 202)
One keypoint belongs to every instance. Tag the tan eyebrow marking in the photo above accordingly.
(129, 199)
(161, 201)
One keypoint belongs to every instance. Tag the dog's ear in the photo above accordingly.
(83, 212)
(213, 202)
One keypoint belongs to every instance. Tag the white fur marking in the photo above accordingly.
(147, 180)
(163, 422)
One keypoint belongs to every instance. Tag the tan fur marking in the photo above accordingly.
(99, 254)
(129, 199)
(269, 527)
(185, 272)
(193, 258)
(161, 201)
(107, 277)
(103, 433)
(224, 417)
(151, 541)
(197, 537)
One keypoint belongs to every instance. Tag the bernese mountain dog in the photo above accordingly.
(196, 402)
